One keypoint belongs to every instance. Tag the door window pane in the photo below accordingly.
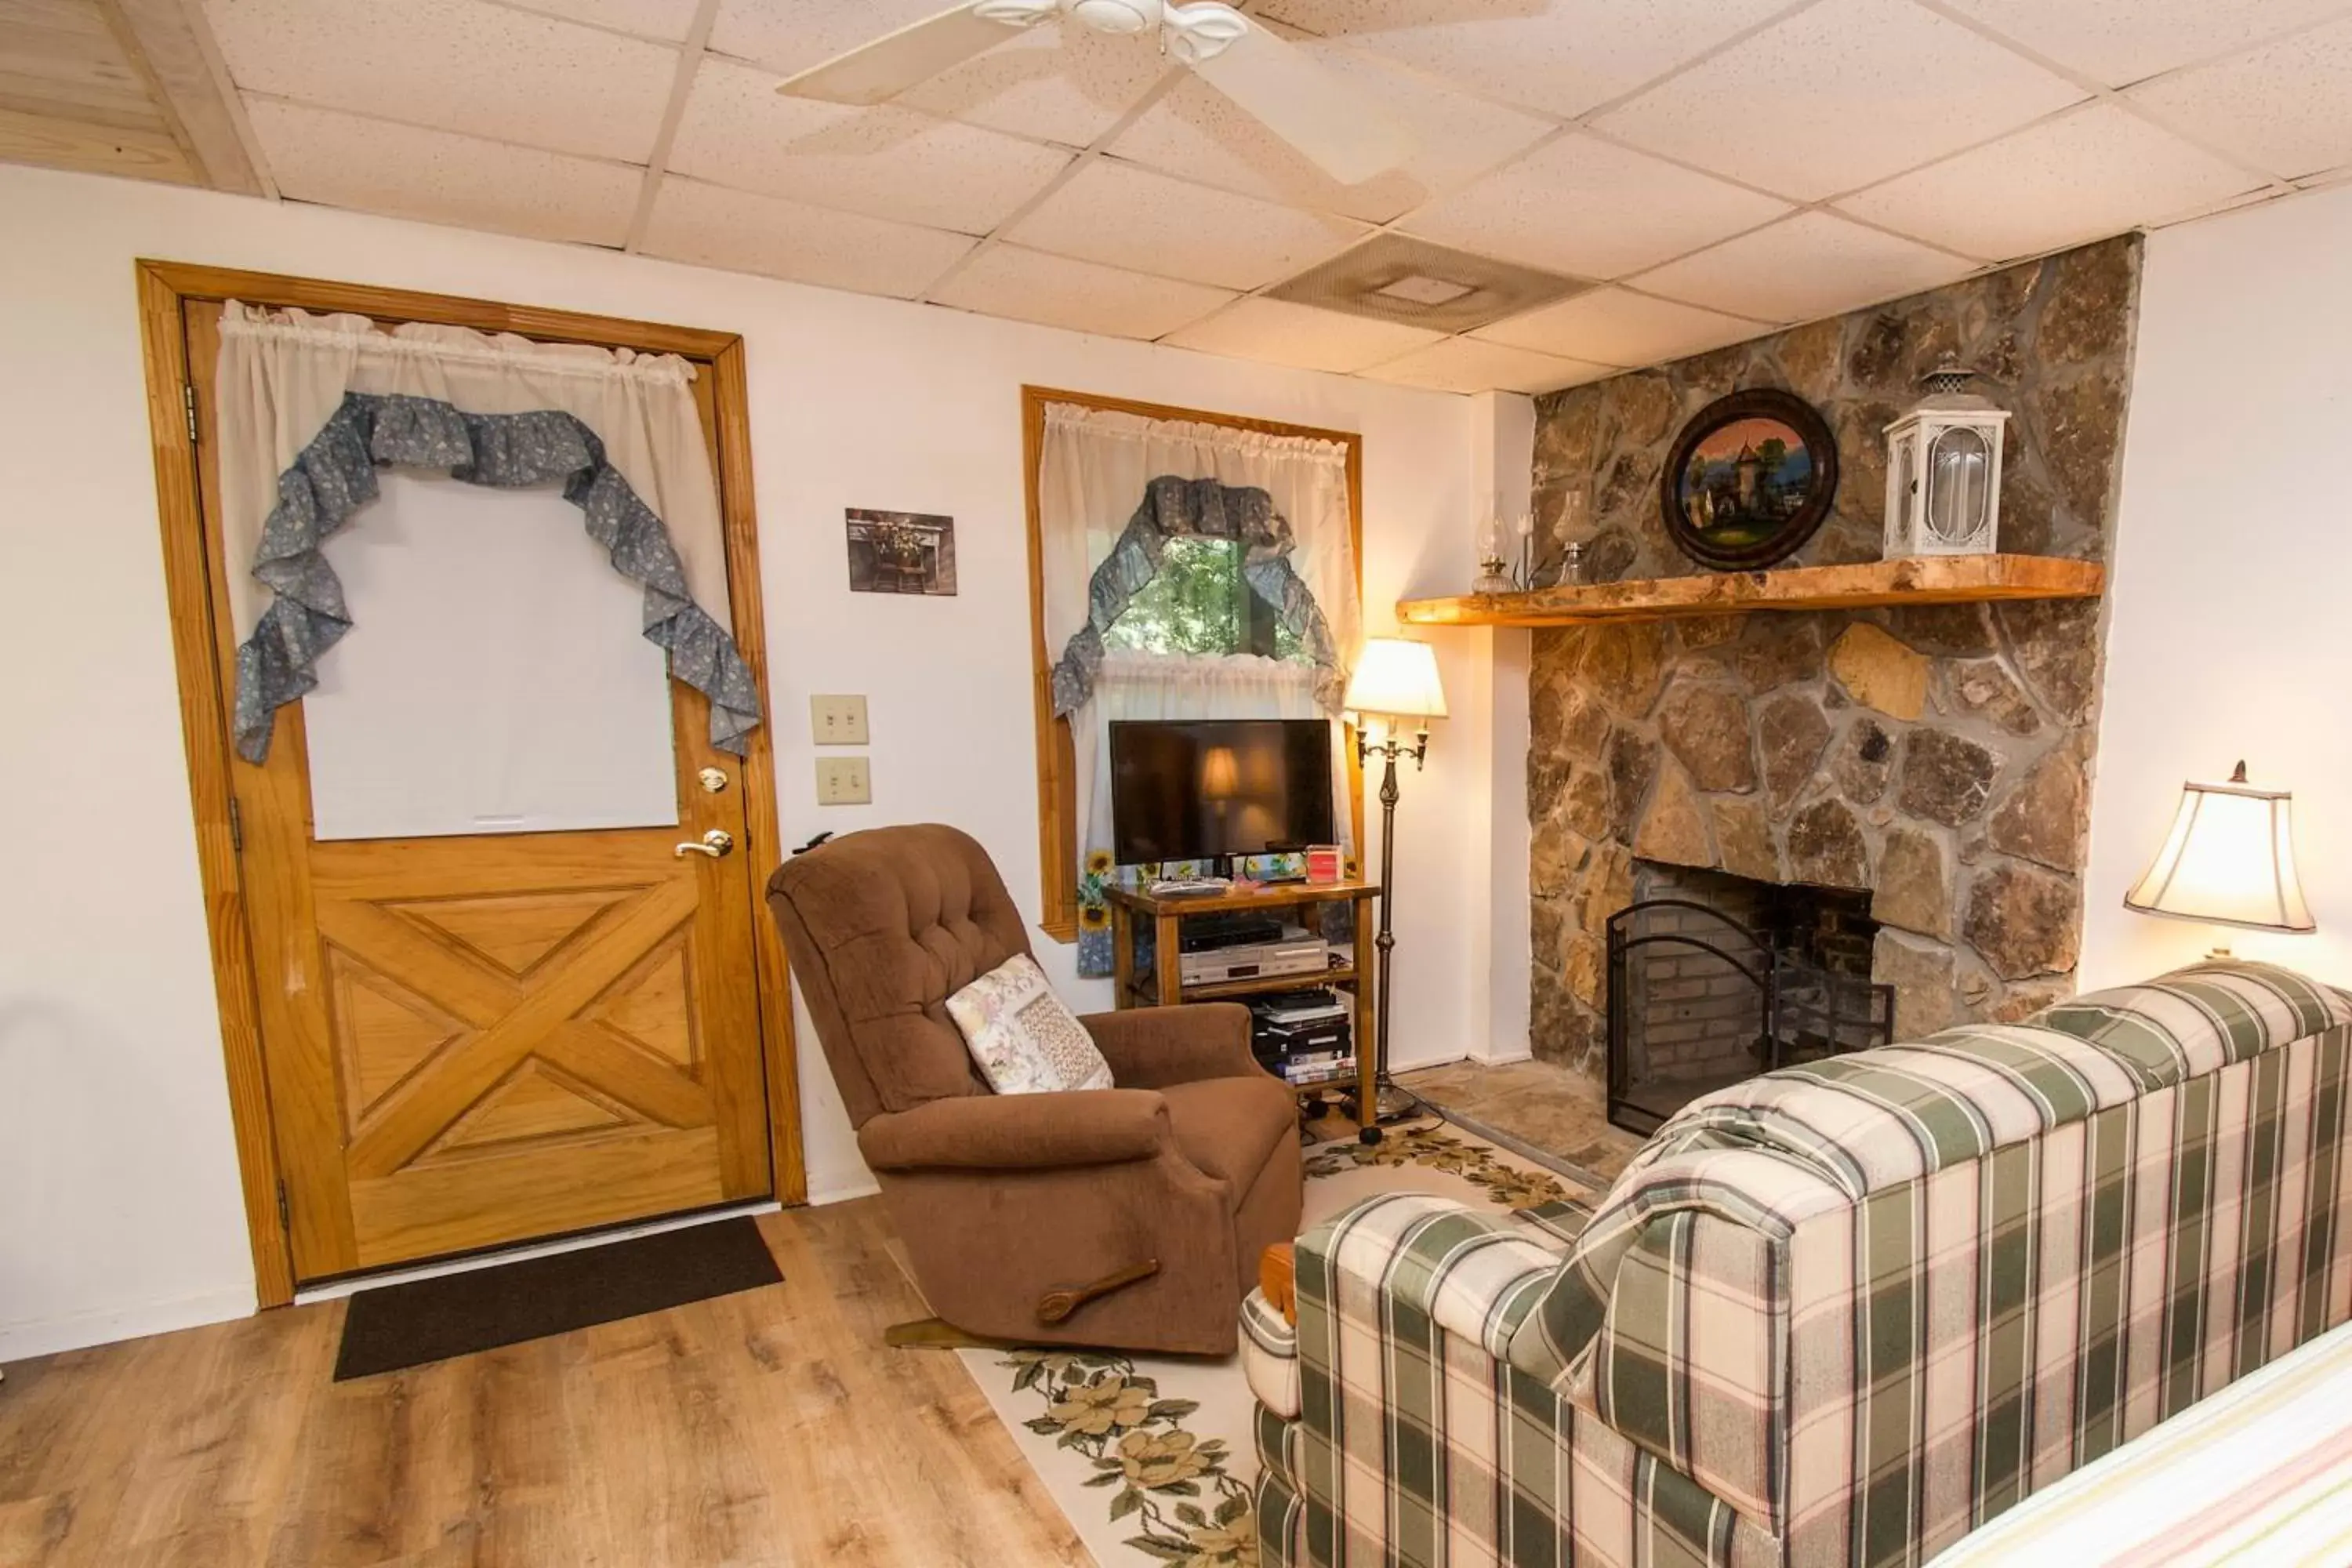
(494, 680)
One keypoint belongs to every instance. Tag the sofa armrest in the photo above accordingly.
(1151, 1048)
(1019, 1132)
(1475, 1273)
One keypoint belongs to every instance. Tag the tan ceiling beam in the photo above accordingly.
(171, 41)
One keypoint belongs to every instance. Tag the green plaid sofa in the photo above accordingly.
(1836, 1315)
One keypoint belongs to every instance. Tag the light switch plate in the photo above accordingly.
(844, 781)
(837, 720)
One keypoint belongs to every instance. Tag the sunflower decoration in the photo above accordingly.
(1094, 916)
(1098, 862)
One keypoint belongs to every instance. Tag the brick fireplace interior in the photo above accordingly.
(1714, 978)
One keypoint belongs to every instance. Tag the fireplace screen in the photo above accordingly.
(1714, 978)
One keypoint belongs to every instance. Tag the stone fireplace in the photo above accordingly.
(1933, 760)
(1714, 978)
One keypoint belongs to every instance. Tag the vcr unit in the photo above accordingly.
(1294, 951)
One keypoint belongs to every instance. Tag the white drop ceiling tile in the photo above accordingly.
(1058, 84)
(454, 65)
(885, 162)
(2286, 106)
(2089, 173)
(1840, 96)
(713, 226)
(1031, 286)
(2120, 41)
(1125, 215)
(1474, 364)
(1803, 268)
(344, 161)
(1300, 335)
(669, 20)
(1564, 57)
(1200, 133)
(1584, 206)
(1616, 326)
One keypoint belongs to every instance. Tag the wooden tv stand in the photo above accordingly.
(1164, 987)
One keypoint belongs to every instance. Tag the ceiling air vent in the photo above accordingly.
(1392, 278)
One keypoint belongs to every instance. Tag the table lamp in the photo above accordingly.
(2229, 861)
(1395, 679)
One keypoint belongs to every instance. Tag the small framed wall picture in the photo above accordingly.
(901, 553)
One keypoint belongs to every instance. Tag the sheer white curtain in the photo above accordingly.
(1092, 470)
(1095, 463)
(283, 373)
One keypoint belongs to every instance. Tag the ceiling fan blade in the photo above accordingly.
(881, 70)
(1338, 128)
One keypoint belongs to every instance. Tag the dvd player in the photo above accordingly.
(1293, 952)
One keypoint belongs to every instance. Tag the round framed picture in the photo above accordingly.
(1748, 480)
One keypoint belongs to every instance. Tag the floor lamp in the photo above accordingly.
(1394, 680)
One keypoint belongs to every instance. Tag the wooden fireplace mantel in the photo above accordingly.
(1926, 580)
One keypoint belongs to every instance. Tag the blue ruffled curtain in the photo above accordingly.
(310, 407)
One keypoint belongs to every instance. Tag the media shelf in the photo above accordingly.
(1164, 987)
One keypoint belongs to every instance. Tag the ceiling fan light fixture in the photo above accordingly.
(1015, 13)
(1123, 18)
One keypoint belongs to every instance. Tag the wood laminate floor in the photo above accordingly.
(770, 1428)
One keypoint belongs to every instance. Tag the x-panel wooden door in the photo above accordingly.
(475, 1040)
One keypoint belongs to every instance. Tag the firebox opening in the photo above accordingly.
(1714, 978)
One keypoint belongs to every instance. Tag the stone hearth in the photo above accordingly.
(1937, 757)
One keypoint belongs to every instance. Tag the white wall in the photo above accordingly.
(119, 1207)
(2232, 586)
(1502, 467)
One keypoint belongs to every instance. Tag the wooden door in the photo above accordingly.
(481, 1039)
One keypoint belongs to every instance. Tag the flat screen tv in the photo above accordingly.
(1197, 789)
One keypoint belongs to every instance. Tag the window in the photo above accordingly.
(1200, 604)
(1197, 603)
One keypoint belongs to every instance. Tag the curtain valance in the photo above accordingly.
(1097, 489)
(311, 406)
(1177, 508)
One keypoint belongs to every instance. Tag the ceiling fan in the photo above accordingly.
(1342, 131)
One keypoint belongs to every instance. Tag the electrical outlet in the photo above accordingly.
(844, 781)
(837, 720)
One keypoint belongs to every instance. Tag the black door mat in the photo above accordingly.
(396, 1326)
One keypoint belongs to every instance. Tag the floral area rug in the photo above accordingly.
(1151, 1457)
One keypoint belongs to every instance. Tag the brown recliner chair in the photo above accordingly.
(1033, 1217)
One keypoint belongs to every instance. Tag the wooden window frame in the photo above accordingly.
(165, 287)
(1057, 789)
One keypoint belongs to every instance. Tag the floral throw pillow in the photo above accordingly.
(1022, 1037)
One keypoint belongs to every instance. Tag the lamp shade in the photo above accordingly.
(1397, 679)
(2229, 861)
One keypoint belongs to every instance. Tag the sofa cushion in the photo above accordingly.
(1228, 1126)
(1270, 1356)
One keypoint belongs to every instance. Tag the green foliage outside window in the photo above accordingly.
(1198, 603)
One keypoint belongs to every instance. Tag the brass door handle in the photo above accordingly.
(715, 843)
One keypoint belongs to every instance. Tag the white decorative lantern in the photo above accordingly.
(1943, 470)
